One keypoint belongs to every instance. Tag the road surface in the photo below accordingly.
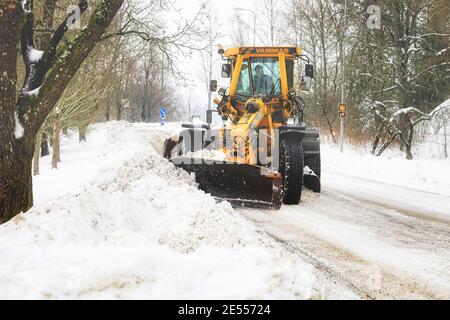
(368, 240)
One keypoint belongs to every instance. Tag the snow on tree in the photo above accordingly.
(398, 74)
(47, 74)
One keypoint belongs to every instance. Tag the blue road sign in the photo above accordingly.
(162, 113)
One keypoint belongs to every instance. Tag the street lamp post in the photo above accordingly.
(342, 131)
(342, 50)
(254, 21)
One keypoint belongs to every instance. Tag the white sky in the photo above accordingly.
(225, 12)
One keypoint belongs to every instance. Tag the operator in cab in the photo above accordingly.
(263, 84)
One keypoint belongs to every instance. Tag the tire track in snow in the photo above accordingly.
(336, 265)
(345, 265)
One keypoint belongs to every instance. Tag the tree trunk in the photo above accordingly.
(45, 24)
(16, 155)
(16, 187)
(119, 111)
(56, 157)
(375, 143)
(408, 151)
(108, 110)
(387, 144)
(45, 150)
(37, 155)
(408, 145)
(445, 138)
(330, 125)
(82, 134)
(22, 117)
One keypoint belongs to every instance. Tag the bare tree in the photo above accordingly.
(320, 25)
(268, 32)
(241, 33)
(209, 22)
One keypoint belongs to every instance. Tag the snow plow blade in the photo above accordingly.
(240, 184)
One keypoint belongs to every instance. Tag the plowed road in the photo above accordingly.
(368, 240)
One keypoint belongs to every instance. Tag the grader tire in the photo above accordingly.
(313, 162)
(291, 167)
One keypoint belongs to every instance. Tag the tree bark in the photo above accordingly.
(108, 110)
(445, 138)
(51, 74)
(376, 142)
(119, 108)
(56, 157)
(15, 155)
(387, 144)
(37, 155)
(408, 145)
(46, 24)
(45, 150)
(82, 134)
(16, 191)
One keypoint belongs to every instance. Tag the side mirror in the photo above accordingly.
(213, 86)
(222, 92)
(226, 70)
(306, 83)
(308, 77)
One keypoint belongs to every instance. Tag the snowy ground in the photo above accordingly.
(118, 221)
(380, 228)
(431, 175)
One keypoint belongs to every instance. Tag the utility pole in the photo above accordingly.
(342, 115)
(162, 76)
(297, 40)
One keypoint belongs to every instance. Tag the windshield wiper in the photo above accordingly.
(274, 89)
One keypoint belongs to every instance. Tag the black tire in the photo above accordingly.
(313, 162)
(291, 167)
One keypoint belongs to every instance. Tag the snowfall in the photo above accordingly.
(117, 221)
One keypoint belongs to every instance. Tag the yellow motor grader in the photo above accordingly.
(267, 153)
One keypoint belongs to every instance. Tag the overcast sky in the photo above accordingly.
(225, 12)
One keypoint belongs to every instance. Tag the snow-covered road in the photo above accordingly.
(368, 239)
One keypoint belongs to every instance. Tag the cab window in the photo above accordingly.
(266, 76)
(243, 89)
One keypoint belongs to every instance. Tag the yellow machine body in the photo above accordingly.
(243, 122)
(259, 100)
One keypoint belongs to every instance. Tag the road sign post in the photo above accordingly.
(342, 114)
(163, 113)
(342, 110)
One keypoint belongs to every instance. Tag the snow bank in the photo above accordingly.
(133, 226)
(19, 129)
(431, 175)
(35, 55)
